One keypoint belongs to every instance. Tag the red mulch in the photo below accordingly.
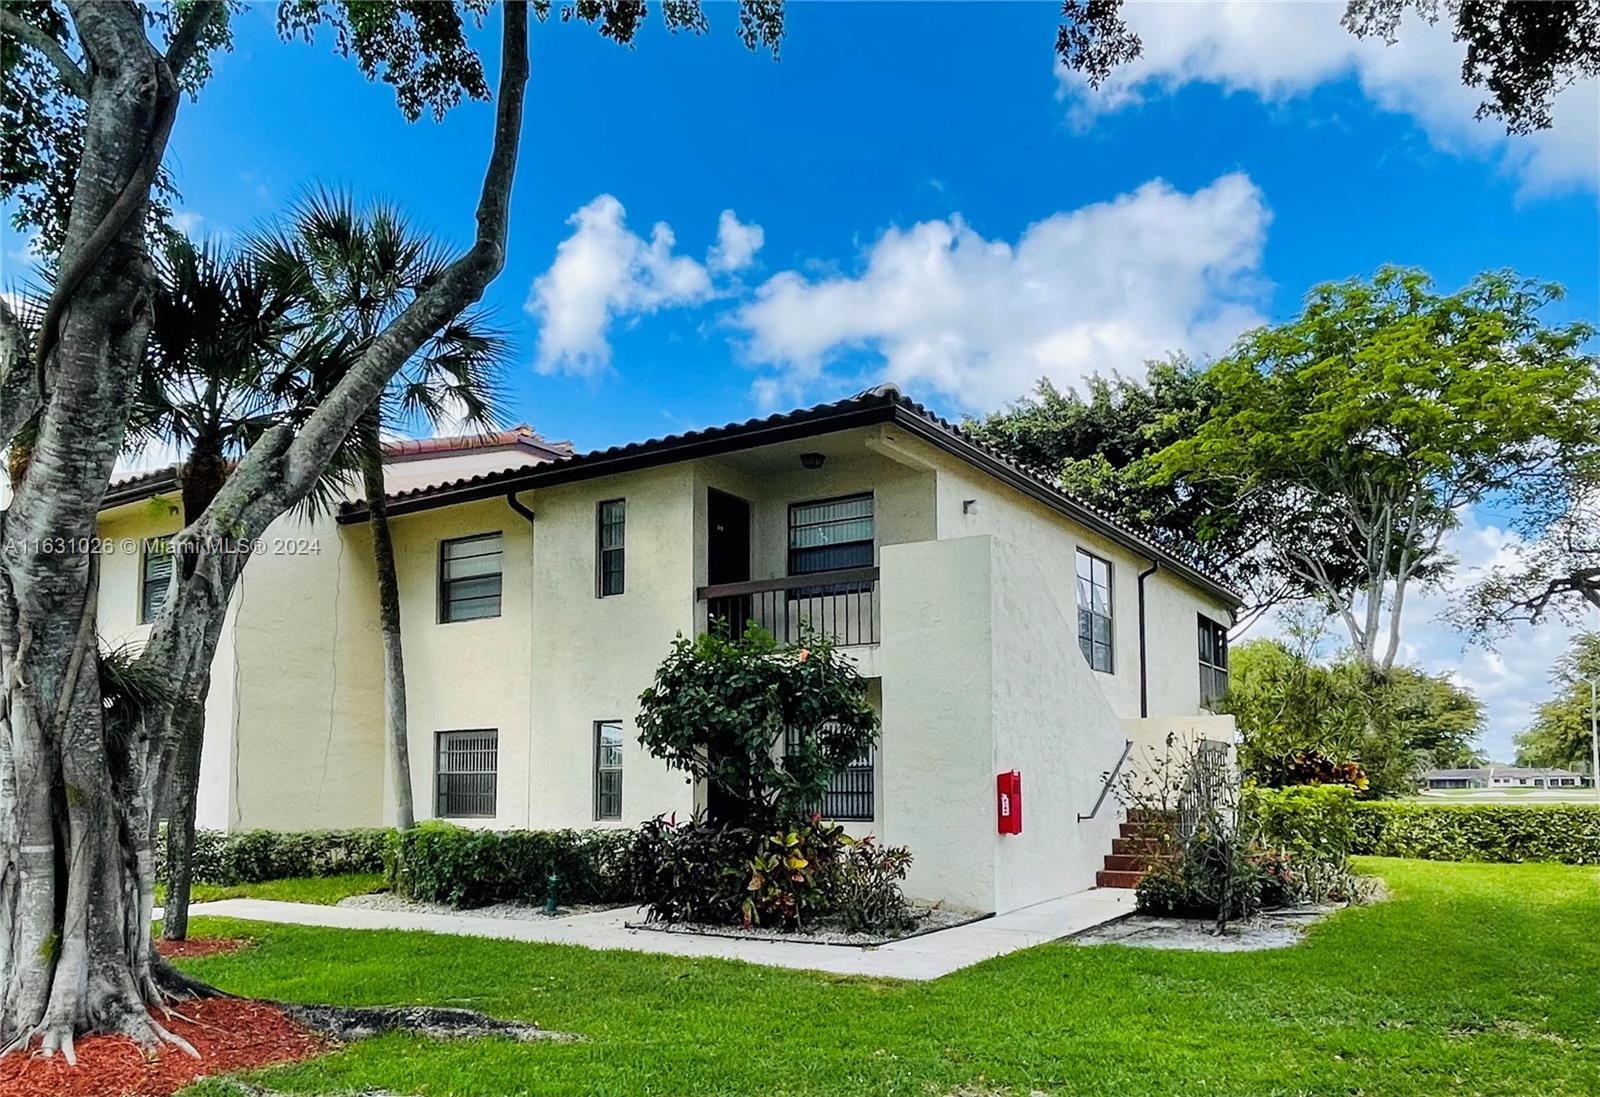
(200, 946)
(229, 1033)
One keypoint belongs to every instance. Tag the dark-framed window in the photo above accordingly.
(465, 769)
(1094, 610)
(470, 578)
(608, 769)
(848, 798)
(831, 534)
(1213, 660)
(611, 529)
(155, 576)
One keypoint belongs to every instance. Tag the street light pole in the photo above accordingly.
(1594, 735)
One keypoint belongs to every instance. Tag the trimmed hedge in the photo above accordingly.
(1568, 833)
(1312, 823)
(252, 856)
(443, 863)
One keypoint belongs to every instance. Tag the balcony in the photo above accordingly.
(841, 605)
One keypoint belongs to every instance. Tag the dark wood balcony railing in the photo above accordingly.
(842, 605)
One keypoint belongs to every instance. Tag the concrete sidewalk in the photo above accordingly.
(926, 957)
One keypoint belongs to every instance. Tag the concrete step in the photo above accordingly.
(1150, 815)
(1112, 878)
(1135, 845)
(1144, 830)
(1128, 862)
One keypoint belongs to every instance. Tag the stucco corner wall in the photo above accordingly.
(982, 674)
(1054, 724)
(938, 720)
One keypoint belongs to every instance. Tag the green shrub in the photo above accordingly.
(251, 856)
(443, 863)
(1308, 822)
(1568, 833)
(865, 886)
(695, 871)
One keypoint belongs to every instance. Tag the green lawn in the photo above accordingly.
(1471, 979)
(324, 890)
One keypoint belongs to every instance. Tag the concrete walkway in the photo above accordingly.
(926, 957)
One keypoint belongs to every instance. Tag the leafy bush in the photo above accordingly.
(1312, 827)
(251, 856)
(443, 863)
(1568, 833)
(865, 886)
(766, 727)
(1309, 767)
(693, 871)
(710, 873)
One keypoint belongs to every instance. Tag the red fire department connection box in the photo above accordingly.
(1008, 801)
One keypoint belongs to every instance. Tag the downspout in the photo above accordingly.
(1144, 669)
(517, 505)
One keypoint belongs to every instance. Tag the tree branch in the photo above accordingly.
(76, 80)
(187, 37)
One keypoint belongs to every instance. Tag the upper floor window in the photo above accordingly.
(1213, 660)
(469, 578)
(155, 576)
(608, 769)
(611, 522)
(465, 774)
(830, 535)
(1094, 610)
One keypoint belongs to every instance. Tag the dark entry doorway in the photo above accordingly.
(727, 539)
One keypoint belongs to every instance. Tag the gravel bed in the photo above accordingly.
(515, 911)
(1268, 930)
(924, 920)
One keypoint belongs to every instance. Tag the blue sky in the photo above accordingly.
(935, 202)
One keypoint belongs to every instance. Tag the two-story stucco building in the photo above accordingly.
(1002, 626)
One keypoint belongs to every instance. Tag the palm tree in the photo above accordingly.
(364, 267)
(224, 335)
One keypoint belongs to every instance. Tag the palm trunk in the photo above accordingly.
(394, 663)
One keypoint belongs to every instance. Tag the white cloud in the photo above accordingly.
(737, 244)
(1512, 678)
(605, 272)
(1101, 288)
(1277, 51)
(187, 222)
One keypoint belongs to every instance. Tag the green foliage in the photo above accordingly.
(865, 886)
(443, 863)
(1215, 873)
(1101, 447)
(1301, 720)
(1560, 733)
(1313, 828)
(252, 856)
(704, 872)
(787, 876)
(1568, 833)
(766, 727)
(1357, 431)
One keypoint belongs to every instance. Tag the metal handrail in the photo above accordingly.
(1127, 745)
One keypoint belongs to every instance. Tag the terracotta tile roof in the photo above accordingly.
(521, 436)
(883, 404)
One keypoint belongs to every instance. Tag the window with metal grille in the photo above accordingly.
(830, 535)
(464, 777)
(1213, 661)
(611, 525)
(155, 576)
(608, 769)
(1094, 610)
(469, 578)
(848, 798)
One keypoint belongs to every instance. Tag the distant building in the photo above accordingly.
(1506, 777)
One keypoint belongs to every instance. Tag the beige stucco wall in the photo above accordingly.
(1171, 603)
(979, 679)
(1161, 745)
